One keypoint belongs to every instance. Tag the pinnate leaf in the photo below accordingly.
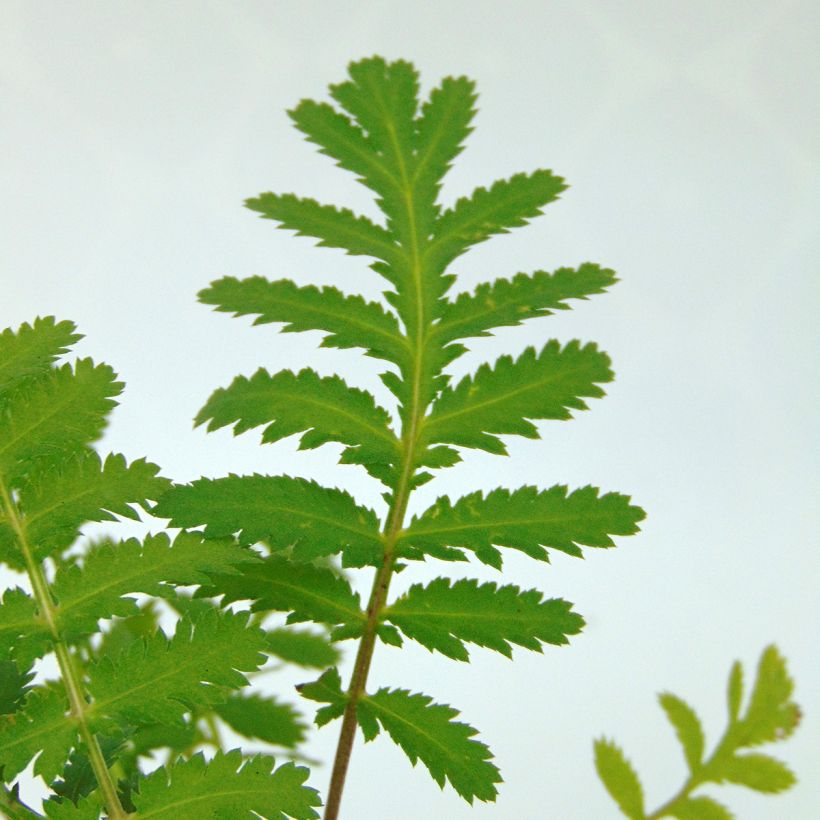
(526, 519)
(620, 778)
(506, 302)
(301, 647)
(349, 321)
(500, 398)
(756, 771)
(428, 732)
(700, 808)
(327, 689)
(159, 679)
(227, 786)
(687, 727)
(442, 617)
(308, 592)
(279, 510)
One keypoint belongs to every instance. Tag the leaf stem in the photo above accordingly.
(71, 678)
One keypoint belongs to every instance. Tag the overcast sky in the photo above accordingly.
(688, 132)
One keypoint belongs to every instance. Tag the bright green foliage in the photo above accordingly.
(159, 680)
(227, 786)
(442, 617)
(770, 716)
(526, 519)
(400, 148)
(428, 732)
(123, 691)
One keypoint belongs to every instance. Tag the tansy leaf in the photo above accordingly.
(441, 617)
(263, 718)
(687, 726)
(428, 732)
(279, 510)
(226, 786)
(620, 779)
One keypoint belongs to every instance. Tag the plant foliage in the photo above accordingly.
(401, 149)
(770, 716)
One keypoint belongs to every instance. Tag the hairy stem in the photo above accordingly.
(70, 676)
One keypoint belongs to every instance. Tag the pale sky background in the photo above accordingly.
(688, 132)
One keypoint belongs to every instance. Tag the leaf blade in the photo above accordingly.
(619, 778)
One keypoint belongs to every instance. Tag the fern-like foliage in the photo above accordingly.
(125, 690)
(400, 149)
(770, 716)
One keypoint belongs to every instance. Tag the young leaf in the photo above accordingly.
(770, 714)
(620, 779)
(428, 732)
(277, 584)
(94, 591)
(506, 302)
(159, 679)
(263, 719)
(442, 617)
(55, 415)
(83, 489)
(499, 399)
(280, 511)
(759, 772)
(526, 519)
(227, 786)
(687, 727)
(326, 407)
(42, 725)
(32, 349)
(349, 320)
(700, 808)
(334, 227)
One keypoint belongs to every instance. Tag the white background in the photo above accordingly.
(688, 132)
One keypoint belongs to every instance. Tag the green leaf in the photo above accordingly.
(349, 321)
(263, 719)
(41, 725)
(94, 591)
(442, 127)
(687, 727)
(326, 407)
(508, 203)
(507, 302)
(441, 617)
(55, 415)
(159, 679)
(734, 692)
(619, 778)
(57, 502)
(277, 584)
(24, 636)
(525, 519)
(333, 227)
(756, 771)
(227, 786)
(428, 732)
(307, 649)
(770, 715)
(31, 349)
(88, 808)
(279, 510)
(327, 689)
(700, 808)
(13, 686)
(499, 399)
(78, 779)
